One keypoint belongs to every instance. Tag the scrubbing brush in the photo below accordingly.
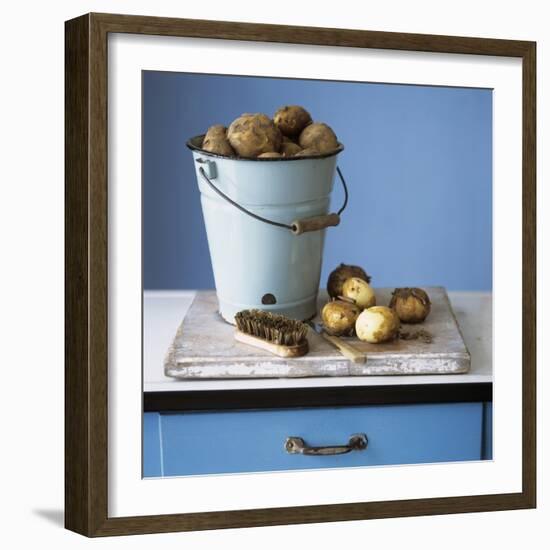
(272, 332)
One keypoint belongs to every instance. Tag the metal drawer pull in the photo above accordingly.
(296, 445)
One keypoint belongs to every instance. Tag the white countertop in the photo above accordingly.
(163, 312)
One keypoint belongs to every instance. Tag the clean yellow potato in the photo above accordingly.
(377, 324)
(359, 291)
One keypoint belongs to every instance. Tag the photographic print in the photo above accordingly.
(307, 230)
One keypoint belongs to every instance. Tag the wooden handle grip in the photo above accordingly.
(345, 349)
(315, 223)
(277, 349)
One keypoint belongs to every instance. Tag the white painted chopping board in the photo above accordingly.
(204, 348)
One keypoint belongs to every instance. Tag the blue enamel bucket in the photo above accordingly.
(265, 222)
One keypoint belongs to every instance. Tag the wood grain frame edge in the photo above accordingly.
(77, 459)
(86, 253)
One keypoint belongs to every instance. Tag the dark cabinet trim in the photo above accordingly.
(203, 400)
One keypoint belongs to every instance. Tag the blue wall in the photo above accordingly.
(418, 161)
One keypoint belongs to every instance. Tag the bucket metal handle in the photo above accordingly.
(297, 227)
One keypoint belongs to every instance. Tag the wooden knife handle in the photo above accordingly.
(346, 349)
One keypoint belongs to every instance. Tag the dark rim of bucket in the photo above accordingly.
(195, 142)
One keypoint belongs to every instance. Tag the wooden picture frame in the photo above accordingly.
(86, 298)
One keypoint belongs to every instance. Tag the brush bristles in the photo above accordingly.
(271, 327)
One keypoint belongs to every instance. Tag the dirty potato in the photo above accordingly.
(215, 141)
(339, 317)
(270, 155)
(412, 305)
(291, 120)
(253, 134)
(318, 136)
(290, 149)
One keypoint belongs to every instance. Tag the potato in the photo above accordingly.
(291, 119)
(309, 152)
(318, 136)
(359, 291)
(216, 131)
(253, 134)
(412, 305)
(289, 149)
(339, 317)
(338, 277)
(377, 324)
(219, 147)
(270, 155)
(215, 141)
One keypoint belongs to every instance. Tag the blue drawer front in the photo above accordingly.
(152, 464)
(252, 441)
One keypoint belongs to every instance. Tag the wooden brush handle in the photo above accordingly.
(277, 349)
(346, 349)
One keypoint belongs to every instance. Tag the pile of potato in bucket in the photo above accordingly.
(291, 133)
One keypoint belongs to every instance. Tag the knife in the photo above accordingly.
(345, 349)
